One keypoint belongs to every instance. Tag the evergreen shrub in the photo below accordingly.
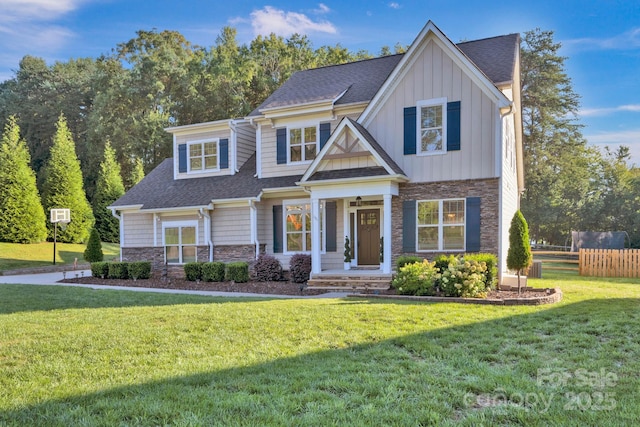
(118, 270)
(193, 271)
(300, 268)
(267, 268)
(213, 271)
(238, 271)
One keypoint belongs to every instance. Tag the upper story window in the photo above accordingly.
(303, 144)
(203, 155)
(432, 126)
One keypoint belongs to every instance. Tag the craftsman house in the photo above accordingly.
(418, 153)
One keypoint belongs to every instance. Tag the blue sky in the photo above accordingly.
(601, 39)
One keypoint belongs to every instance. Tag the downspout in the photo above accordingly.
(207, 231)
(234, 144)
(119, 218)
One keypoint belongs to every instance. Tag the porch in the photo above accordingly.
(348, 280)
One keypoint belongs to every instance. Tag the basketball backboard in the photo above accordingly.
(60, 215)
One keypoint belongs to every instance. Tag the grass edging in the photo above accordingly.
(548, 296)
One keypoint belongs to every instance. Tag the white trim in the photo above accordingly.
(259, 150)
(441, 102)
(302, 126)
(441, 225)
(304, 202)
(179, 225)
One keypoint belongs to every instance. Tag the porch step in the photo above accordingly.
(349, 283)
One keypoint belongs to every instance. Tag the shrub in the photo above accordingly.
(407, 259)
(300, 268)
(118, 270)
(93, 251)
(238, 271)
(267, 268)
(140, 270)
(213, 271)
(464, 278)
(100, 269)
(491, 275)
(416, 278)
(442, 262)
(193, 271)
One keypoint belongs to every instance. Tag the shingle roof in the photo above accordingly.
(361, 80)
(495, 56)
(159, 190)
(349, 173)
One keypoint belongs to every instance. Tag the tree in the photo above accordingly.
(93, 251)
(22, 218)
(557, 162)
(137, 173)
(519, 255)
(108, 189)
(63, 187)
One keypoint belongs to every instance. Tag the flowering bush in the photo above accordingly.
(464, 278)
(416, 278)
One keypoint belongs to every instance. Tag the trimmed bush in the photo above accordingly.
(442, 262)
(407, 259)
(100, 269)
(267, 268)
(118, 270)
(491, 261)
(416, 278)
(93, 251)
(140, 270)
(464, 278)
(300, 268)
(193, 271)
(238, 271)
(213, 271)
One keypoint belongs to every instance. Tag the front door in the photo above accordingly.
(368, 237)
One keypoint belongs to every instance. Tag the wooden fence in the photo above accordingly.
(557, 260)
(609, 262)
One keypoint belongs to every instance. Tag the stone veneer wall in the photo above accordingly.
(230, 253)
(486, 189)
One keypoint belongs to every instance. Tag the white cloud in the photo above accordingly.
(271, 20)
(322, 9)
(628, 40)
(630, 138)
(36, 10)
(593, 112)
(394, 5)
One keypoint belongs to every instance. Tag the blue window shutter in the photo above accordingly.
(410, 125)
(281, 146)
(409, 226)
(182, 158)
(473, 224)
(453, 126)
(331, 217)
(224, 153)
(277, 229)
(325, 133)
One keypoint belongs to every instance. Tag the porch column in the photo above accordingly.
(386, 247)
(316, 261)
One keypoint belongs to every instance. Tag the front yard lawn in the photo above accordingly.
(71, 356)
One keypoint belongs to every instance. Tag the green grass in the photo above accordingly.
(15, 255)
(72, 356)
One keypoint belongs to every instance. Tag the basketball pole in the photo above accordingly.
(55, 237)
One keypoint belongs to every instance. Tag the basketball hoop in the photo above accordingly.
(63, 217)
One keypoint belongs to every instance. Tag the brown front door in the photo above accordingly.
(368, 237)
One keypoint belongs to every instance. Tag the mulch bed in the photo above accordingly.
(274, 288)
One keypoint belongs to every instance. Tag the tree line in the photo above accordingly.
(115, 108)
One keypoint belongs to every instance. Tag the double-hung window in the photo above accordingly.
(432, 126)
(180, 241)
(203, 155)
(297, 226)
(303, 144)
(441, 225)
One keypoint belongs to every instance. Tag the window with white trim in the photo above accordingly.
(303, 143)
(297, 226)
(432, 126)
(203, 155)
(180, 241)
(441, 225)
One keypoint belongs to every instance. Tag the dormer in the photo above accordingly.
(216, 148)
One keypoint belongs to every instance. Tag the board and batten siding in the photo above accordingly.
(509, 196)
(246, 142)
(231, 226)
(138, 230)
(433, 75)
(270, 167)
(344, 140)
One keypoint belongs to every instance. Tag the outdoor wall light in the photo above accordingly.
(358, 201)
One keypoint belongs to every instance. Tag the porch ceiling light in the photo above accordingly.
(358, 201)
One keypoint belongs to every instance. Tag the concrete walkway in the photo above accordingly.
(52, 279)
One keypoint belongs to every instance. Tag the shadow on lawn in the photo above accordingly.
(16, 298)
(423, 378)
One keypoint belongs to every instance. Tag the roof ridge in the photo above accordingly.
(487, 38)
